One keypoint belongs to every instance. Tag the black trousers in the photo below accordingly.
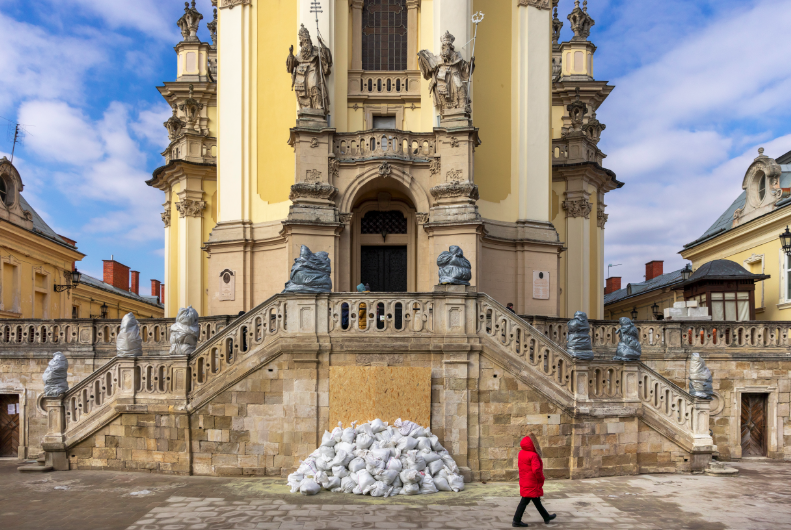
(520, 511)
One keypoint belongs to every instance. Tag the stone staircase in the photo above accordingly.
(453, 321)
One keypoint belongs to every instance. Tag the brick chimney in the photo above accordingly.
(162, 296)
(613, 284)
(135, 282)
(653, 269)
(155, 286)
(116, 274)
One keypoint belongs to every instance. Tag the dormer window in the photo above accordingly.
(762, 188)
(3, 191)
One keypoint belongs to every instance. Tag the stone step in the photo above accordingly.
(34, 468)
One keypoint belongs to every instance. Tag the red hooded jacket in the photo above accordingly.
(531, 470)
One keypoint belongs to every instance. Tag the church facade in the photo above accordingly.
(382, 132)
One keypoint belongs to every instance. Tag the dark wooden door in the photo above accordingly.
(753, 424)
(9, 424)
(384, 268)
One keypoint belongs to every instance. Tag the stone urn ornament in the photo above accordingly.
(129, 343)
(310, 273)
(579, 343)
(700, 380)
(629, 349)
(55, 376)
(454, 268)
(184, 333)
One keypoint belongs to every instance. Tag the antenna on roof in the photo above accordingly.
(16, 133)
(611, 266)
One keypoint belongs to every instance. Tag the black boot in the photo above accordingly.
(519, 524)
(552, 516)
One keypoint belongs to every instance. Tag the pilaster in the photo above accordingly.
(190, 208)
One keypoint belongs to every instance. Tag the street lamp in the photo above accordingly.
(104, 310)
(655, 309)
(785, 241)
(74, 278)
(634, 314)
(686, 272)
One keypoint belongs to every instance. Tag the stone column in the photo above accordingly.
(578, 210)
(190, 240)
(54, 442)
(534, 86)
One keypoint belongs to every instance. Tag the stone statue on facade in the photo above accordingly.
(310, 273)
(449, 76)
(579, 343)
(129, 343)
(629, 349)
(55, 376)
(309, 70)
(454, 268)
(184, 333)
(700, 378)
(189, 21)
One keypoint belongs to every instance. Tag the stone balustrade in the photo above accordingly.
(382, 84)
(384, 143)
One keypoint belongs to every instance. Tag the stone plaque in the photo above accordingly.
(227, 285)
(540, 285)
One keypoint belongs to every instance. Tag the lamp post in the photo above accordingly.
(686, 272)
(74, 280)
(785, 241)
(634, 314)
(655, 310)
(104, 310)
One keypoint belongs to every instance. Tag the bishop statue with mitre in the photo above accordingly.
(309, 70)
(449, 75)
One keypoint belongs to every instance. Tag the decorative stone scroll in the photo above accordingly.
(422, 218)
(230, 4)
(601, 218)
(454, 190)
(190, 208)
(577, 208)
(166, 216)
(345, 218)
(385, 169)
(317, 190)
(540, 4)
(333, 167)
(435, 166)
(55, 376)
(454, 175)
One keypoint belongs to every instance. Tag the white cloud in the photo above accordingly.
(149, 125)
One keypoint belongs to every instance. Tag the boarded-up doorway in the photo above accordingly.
(753, 425)
(9, 424)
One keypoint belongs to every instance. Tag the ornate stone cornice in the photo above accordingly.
(455, 189)
(540, 4)
(190, 208)
(230, 4)
(578, 208)
(317, 190)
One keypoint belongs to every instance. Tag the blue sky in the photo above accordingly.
(700, 85)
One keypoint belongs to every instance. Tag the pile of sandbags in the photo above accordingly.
(378, 460)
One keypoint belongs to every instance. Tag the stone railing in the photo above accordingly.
(47, 336)
(668, 336)
(384, 143)
(574, 151)
(351, 315)
(379, 84)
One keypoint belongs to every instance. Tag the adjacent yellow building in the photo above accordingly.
(381, 177)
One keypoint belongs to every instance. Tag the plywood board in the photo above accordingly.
(363, 393)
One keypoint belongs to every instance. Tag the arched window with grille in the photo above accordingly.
(384, 39)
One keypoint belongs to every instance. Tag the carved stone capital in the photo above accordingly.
(455, 189)
(601, 219)
(422, 218)
(345, 218)
(412, 4)
(578, 208)
(540, 4)
(230, 4)
(333, 167)
(190, 208)
(317, 190)
(166, 217)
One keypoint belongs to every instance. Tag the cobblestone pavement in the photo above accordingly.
(758, 498)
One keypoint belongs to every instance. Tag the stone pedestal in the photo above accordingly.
(54, 442)
(312, 118)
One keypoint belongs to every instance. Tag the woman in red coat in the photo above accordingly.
(531, 482)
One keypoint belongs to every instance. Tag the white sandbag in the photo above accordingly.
(348, 435)
(435, 467)
(385, 437)
(340, 471)
(387, 476)
(450, 463)
(456, 482)
(356, 464)
(379, 489)
(394, 464)
(343, 446)
(295, 480)
(327, 440)
(410, 476)
(342, 458)
(309, 487)
(331, 483)
(348, 485)
(428, 457)
(396, 491)
(420, 432)
(427, 485)
(337, 432)
(423, 444)
(381, 454)
(353, 476)
(320, 477)
(365, 428)
(406, 443)
(378, 426)
(374, 465)
(364, 479)
(410, 489)
(357, 490)
(436, 446)
(441, 484)
(405, 427)
(363, 441)
(308, 467)
(415, 461)
(323, 464)
(397, 483)
(327, 452)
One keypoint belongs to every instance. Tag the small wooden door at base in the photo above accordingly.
(753, 424)
(9, 424)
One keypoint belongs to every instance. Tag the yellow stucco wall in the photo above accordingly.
(171, 280)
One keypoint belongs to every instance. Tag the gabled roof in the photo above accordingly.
(636, 289)
(93, 282)
(722, 269)
(39, 225)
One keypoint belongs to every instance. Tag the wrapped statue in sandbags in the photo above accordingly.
(579, 343)
(700, 378)
(454, 268)
(55, 376)
(129, 343)
(310, 273)
(629, 349)
(184, 333)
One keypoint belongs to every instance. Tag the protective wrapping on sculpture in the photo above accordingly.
(579, 343)
(55, 376)
(184, 333)
(700, 380)
(454, 268)
(310, 273)
(629, 349)
(129, 343)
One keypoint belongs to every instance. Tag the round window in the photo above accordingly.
(3, 191)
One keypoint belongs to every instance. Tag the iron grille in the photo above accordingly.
(384, 35)
(375, 222)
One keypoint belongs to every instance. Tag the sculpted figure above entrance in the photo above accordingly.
(309, 70)
(449, 75)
